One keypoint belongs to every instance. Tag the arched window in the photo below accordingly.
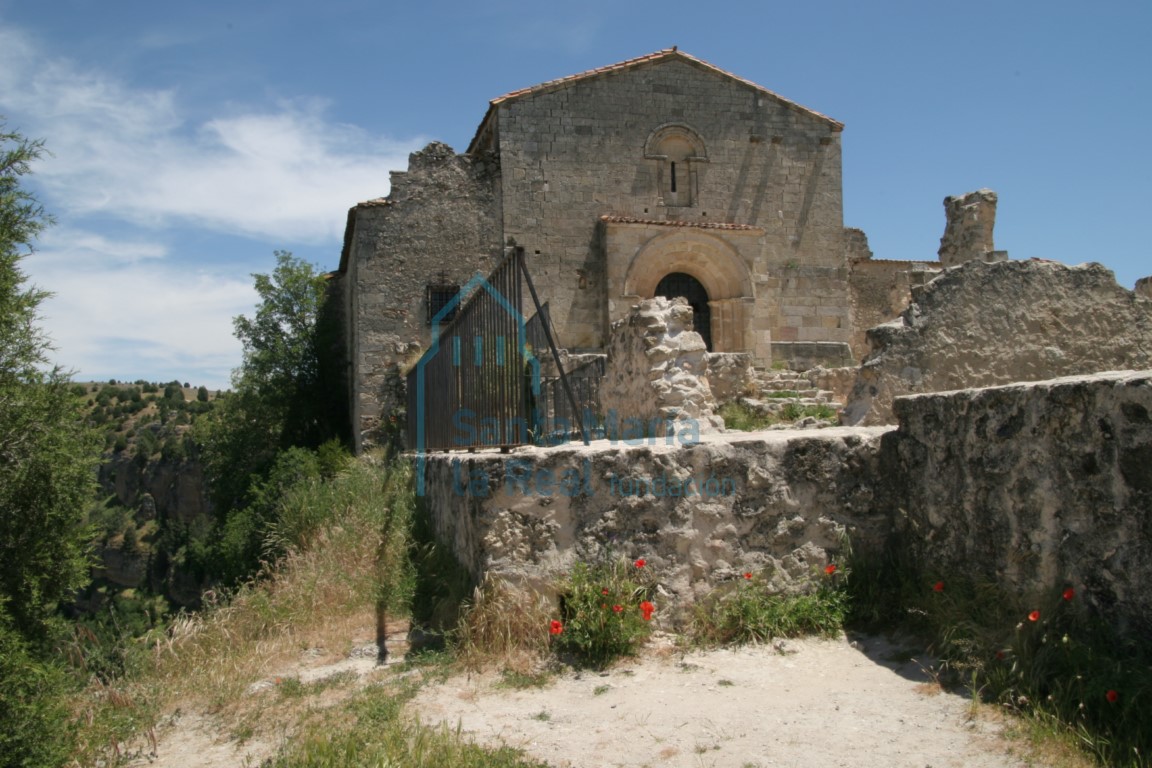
(678, 152)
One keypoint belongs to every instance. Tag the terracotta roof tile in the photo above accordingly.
(614, 219)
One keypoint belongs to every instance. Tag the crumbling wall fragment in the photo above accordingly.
(655, 370)
(968, 231)
(1036, 486)
(983, 324)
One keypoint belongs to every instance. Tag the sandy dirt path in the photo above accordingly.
(822, 703)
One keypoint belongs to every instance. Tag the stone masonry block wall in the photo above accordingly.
(983, 324)
(1038, 486)
(880, 290)
(441, 216)
(576, 153)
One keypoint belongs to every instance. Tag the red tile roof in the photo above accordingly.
(615, 219)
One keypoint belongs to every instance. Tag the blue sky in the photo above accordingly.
(192, 140)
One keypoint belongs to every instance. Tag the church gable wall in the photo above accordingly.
(573, 154)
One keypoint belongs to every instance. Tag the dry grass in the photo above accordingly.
(505, 628)
(319, 600)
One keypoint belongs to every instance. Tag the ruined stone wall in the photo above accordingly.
(730, 375)
(983, 324)
(1037, 486)
(1144, 287)
(442, 216)
(654, 380)
(970, 220)
(776, 503)
(573, 154)
(880, 290)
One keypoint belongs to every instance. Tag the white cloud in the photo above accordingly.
(132, 172)
(281, 171)
(119, 310)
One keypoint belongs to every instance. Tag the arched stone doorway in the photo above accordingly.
(681, 284)
(710, 261)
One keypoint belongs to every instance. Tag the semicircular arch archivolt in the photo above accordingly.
(719, 268)
(715, 263)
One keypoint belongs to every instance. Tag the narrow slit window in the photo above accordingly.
(673, 175)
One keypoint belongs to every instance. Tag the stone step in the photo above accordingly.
(796, 394)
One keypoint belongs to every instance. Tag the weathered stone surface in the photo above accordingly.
(656, 370)
(1144, 287)
(984, 324)
(968, 232)
(1038, 486)
(729, 374)
(778, 503)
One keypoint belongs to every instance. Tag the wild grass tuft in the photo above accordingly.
(505, 627)
(372, 729)
(751, 612)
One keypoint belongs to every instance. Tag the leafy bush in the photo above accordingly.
(605, 611)
(35, 729)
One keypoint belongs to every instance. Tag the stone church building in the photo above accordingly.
(660, 175)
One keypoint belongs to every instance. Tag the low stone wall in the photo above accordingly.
(778, 503)
(1037, 486)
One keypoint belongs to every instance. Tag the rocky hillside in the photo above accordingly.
(153, 511)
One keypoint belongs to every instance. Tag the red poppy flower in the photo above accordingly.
(1000, 655)
(604, 591)
(938, 586)
(646, 608)
(748, 575)
(1069, 593)
(1034, 616)
(1112, 696)
(617, 608)
(556, 627)
(641, 563)
(830, 569)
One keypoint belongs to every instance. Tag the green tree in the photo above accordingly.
(47, 456)
(47, 479)
(284, 391)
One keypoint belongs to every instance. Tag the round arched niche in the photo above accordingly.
(715, 264)
(677, 151)
(676, 139)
